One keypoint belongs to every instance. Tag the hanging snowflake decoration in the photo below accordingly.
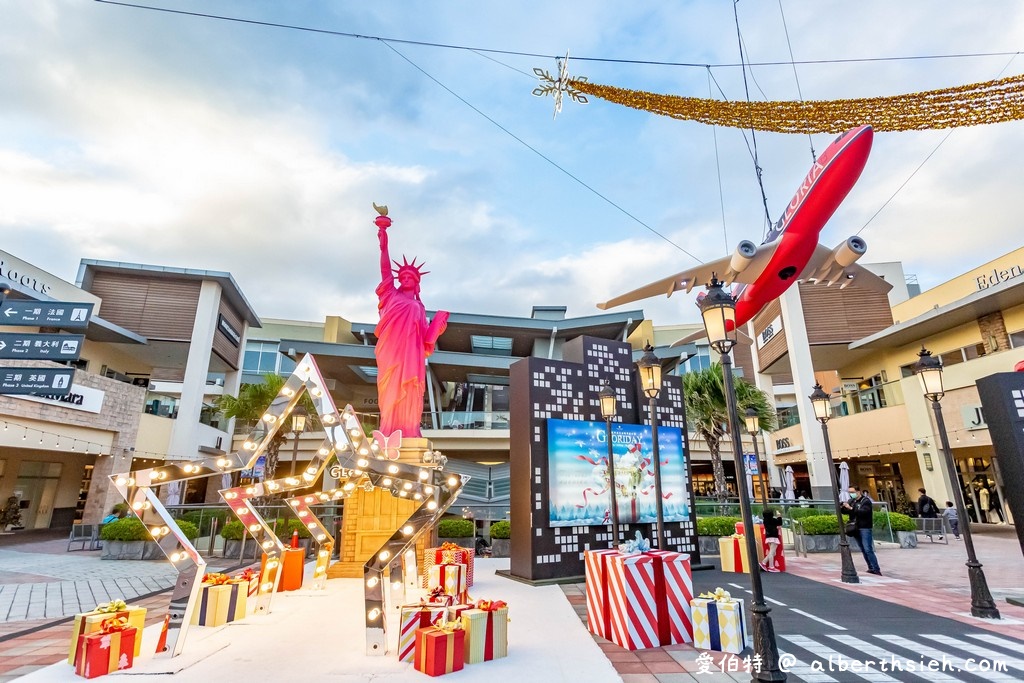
(559, 86)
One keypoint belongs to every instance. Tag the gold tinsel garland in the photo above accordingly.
(967, 105)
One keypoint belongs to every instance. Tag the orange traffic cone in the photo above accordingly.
(295, 538)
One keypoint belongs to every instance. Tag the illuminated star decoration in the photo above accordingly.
(561, 85)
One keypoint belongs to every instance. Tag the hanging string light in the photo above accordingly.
(974, 104)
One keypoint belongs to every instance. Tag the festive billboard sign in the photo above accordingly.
(579, 481)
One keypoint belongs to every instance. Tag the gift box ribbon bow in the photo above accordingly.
(448, 545)
(490, 605)
(247, 575)
(720, 595)
(216, 579)
(449, 626)
(114, 624)
(636, 546)
(112, 606)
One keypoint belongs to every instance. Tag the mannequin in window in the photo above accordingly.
(983, 503)
(994, 507)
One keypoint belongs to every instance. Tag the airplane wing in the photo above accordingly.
(823, 269)
(700, 276)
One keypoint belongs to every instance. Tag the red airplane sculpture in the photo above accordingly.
(790, 253)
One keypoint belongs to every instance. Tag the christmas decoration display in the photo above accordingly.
(718, 622)
(995, 101)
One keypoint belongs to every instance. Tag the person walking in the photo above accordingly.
(927, 509)
(859, 507)
(952, 519)
(772, 521)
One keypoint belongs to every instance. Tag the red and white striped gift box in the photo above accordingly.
(598, 604)
(632, 592)
(678, 593)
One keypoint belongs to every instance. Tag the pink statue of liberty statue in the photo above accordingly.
(404, 339)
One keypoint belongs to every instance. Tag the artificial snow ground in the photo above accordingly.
(319, 636)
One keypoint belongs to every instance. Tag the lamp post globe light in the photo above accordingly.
(929, 370)
(753, 421)
(298, 426)
(822, 405)
(649, 368)
(718, 309)
(608, 407)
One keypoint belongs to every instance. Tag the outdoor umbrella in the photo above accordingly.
(789, 494)
(844, 476)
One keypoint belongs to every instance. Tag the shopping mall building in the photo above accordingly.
(164, 343)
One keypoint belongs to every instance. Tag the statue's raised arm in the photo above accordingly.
(404, 339)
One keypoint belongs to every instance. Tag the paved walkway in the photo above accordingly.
(930, 578)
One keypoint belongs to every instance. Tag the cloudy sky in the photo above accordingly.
(159, 138)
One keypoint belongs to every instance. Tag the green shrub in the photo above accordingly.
(716, 526)
(127, 529)
(801, 513)
(501, 529)
(190, 530)
(455, 528)
(897, 521)
(232, 531)
(285, 532)
(820, 524)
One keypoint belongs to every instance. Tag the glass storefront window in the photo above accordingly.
(261, 357)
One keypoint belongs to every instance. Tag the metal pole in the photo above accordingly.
(982, 604)
(295, 454)
(849, 570)
(611, 475)
(765, 646)
(659, 528)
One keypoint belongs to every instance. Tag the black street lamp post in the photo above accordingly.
(650, 379)
(718, 310)
(298, 426)
(753, 421)
(607, 399)
(823, 412)
(929, 370)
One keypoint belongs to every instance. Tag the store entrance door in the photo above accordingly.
(36, 489)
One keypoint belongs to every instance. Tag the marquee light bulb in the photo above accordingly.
(428, 490)
(423, 474)
(393, 469)
(311, 525)
(249, 445)
(384, 554)
(452, 481)
(407, 529)
(431, 505)
(321, 537)
(373, 614)
(323, 451)
(386, 481)
(371, 582)
(363, 462)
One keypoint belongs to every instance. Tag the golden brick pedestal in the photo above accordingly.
(370, 519)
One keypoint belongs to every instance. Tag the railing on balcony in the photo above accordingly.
(468, 419)
(865, 397)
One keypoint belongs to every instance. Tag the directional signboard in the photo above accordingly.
(48, 381)
(45, 314)
(40, 346)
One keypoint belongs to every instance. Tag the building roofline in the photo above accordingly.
(971, 307)
(231, 289)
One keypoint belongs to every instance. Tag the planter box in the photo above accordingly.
(233, 548)
(907, 539)
(126, 550)
(501, 547)
(823, 543)
(708, 545)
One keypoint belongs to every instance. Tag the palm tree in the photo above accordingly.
(704, 395)
(250, 404)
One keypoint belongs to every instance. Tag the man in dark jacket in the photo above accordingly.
(859, 508)
(927, 508)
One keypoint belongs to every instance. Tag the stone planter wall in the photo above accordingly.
(233, 548)
(708, 545)
(501, 547)
(907, 539)
(823, 543)
(126, 550)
